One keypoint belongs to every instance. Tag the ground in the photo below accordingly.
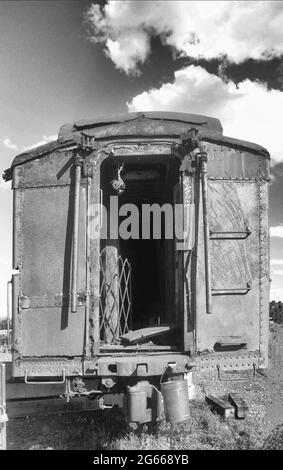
(262, 428)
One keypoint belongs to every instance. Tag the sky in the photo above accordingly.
(68, 60)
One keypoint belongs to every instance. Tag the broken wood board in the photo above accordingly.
(220, 406)
(136, 347)
(143, 334)
(239, 404)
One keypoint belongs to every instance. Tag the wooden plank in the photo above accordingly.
(137, 347)
(239, 404)
(222, 407)
(143, 334)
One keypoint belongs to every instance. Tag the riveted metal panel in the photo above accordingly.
(47, 240)
(54, 169)
(239, 261)
(48, 338)
(43, 333)
(226, 161)
(43, 322)
(264, 277)
(136, 364)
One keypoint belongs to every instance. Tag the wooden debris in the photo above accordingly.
(143, 334)
(239, 404)
(220, 406)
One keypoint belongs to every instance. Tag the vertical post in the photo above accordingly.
(3, 415)
(78, 171)
(9, 285)
(203, 169)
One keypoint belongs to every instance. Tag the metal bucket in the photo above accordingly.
(176, 400)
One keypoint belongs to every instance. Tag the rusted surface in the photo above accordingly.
(43, 182)
(43, 242)
(146, 124)
(233, 207)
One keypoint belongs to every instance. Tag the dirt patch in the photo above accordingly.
(262, 428)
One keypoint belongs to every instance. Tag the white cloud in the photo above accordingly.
(128, 50)
(277, 272)
(276, 293)
(276, 231)
(207, 29)
(9, 144)
(248, 111)
(276, 262)
(4, 186)
(45, 140)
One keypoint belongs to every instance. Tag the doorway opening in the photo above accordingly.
(144, 192)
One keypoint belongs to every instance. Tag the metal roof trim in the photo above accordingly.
(65, 136)
(65, 132)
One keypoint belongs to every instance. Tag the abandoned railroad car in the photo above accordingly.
(100, 300)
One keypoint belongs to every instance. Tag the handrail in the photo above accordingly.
(78, 172)
(230, 235)
(233, 290)
(45, 382)
(235, 378)
(9, 295)
(203, 173)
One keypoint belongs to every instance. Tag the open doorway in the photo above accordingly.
(140, 181)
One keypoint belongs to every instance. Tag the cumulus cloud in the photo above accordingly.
(276, 231)
(9, 144)
(45, 139)
(235, 30)
(276, 262)
(248, 111)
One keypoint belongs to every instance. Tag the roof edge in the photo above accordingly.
(65, 136)
(66, 131)
(240, 144)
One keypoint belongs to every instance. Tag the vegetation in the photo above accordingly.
(276, 311)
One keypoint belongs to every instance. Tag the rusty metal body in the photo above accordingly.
(56, 320)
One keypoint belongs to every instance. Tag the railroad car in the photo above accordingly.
(105, 299)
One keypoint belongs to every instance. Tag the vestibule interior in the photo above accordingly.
(140, 181)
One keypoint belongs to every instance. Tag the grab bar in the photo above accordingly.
(230, 235)
(233, 291)
(239, 378)
(203, 169)
(45, 382)
(9, 295)
(78, 172)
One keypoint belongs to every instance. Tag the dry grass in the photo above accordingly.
(3, 341)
